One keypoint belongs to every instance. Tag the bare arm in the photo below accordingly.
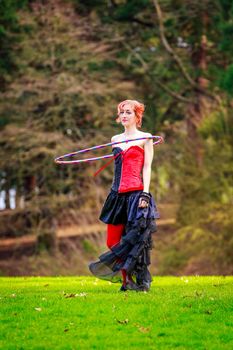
(146, 171)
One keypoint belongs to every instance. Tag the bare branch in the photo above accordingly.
(146, 68)
(169, 48)
(172, 93)
(146, 24)
(137, 55)
(177, 58)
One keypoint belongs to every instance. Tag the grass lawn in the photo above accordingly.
(86, 313)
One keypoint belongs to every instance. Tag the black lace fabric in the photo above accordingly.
(132, 253)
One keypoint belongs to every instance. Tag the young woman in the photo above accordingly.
(129, 209)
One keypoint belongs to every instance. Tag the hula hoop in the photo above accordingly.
(59, 160)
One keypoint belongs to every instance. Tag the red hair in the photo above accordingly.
(138, 110)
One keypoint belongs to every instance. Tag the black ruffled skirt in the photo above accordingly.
(132, 253)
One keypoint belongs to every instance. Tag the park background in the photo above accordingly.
(64, 67)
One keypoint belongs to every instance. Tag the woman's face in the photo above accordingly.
(127, 115)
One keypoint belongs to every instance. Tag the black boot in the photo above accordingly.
(131, 285)
(145, 287)
(123, 288)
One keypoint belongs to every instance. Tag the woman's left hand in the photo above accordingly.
(144, 200)
(161, 140)
(142, 203)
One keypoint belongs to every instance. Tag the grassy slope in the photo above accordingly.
(182, 313)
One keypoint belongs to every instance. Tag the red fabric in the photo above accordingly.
(114, 233)
(140, 187)
(124, 276)
(133, 160)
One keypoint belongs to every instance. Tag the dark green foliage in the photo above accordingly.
(101, 67)
(113, 10)
(223, 79)
(130, 9)
(226, 7)
(9, 34)
(226, 81)
(226, 44)
(85, 7)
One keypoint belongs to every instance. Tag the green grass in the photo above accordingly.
(86, 313)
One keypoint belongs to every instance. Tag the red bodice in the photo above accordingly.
(128, 167)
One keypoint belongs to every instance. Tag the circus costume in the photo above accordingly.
(130, 227)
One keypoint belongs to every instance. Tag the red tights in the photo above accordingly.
(114, 233)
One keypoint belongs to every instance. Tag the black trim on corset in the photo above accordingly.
(117, 169)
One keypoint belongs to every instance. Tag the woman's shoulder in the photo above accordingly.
(116, 137)
(146, 134)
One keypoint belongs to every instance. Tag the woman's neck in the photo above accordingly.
(131, 130)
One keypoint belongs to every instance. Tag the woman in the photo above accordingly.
(129, 209)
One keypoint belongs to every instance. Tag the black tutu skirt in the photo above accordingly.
(132, 253)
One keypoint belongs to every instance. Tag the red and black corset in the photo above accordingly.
(127, 169)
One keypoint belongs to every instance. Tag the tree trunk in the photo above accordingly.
(200, 109)
(7, 191)
(29, 186)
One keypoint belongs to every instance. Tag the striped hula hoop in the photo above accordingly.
(59, 160)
